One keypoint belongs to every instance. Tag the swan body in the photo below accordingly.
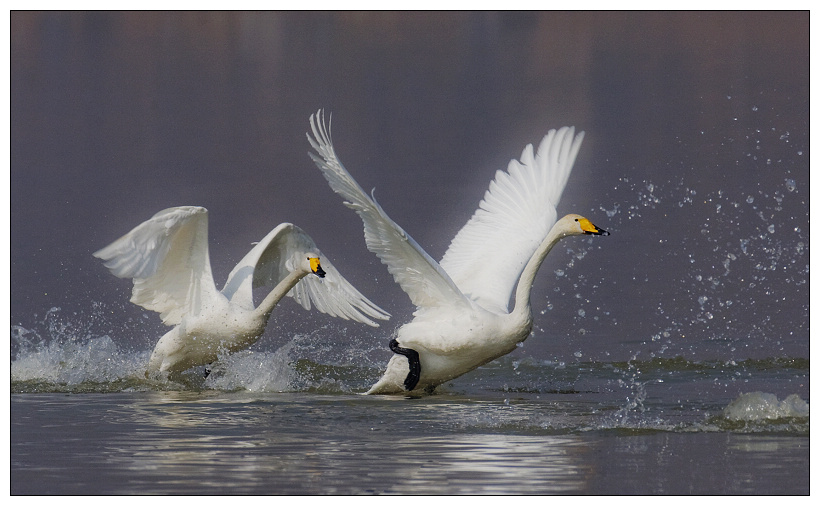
(463, 320)
(167, 257)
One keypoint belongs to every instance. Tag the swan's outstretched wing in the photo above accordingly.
(413, 269)
(487, 256)
(167, 256)
(275, 256)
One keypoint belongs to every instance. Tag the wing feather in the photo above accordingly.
(487, 256)
(274, 257)
(167, 257)
(414, 270)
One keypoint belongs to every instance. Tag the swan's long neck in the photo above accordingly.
(265, 307)
(522, 291)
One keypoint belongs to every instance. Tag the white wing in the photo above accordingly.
(272, 259)
(487, 256)
(167, 256)
(413, 269)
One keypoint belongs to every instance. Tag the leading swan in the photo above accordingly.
(462, 320)
(167, 256)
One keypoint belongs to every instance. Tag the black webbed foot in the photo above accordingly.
(414, 375)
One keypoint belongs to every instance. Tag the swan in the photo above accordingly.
(167, 257)
(462, 318)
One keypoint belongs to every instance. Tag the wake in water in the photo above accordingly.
(510, 394)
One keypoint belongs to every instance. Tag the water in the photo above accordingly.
(245, 443)
(672, 357)
(279, 423)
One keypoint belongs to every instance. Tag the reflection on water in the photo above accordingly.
(491, 464)
(195, 443)
(219, 443)
(244, 445)
(271, 463)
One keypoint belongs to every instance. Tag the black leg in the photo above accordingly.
(413, 376)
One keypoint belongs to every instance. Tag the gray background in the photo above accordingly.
(696, 158)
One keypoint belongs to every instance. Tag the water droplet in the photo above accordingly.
(791, 185)
(750, 199)
(771, 229)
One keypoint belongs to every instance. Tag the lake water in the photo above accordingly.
(270, 423)
(671, 357)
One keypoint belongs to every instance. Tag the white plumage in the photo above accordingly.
(167, 257)
(463, 319)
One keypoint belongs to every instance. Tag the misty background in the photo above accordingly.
(696, 159)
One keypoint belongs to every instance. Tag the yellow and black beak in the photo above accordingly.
(590, 229)
(316, 267)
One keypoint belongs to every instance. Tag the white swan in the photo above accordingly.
(462, 319)
(167, 256)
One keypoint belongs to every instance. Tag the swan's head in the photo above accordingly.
(575, 224)
(305, 262)
(314, 266)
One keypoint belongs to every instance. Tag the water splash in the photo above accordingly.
(735, 266)
(757, 406)
(67, 353)
(253, 371)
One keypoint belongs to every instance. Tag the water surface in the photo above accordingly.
(658, 427)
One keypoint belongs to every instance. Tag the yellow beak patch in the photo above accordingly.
(316, 267)
(589, 228)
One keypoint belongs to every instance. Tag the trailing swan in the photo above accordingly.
(167, 257)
